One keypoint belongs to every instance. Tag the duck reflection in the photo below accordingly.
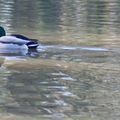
(34, 53)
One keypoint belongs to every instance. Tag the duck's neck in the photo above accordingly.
(2, 32)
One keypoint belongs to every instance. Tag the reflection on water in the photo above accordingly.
(74, 74)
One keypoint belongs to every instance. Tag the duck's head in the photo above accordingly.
(2, 31)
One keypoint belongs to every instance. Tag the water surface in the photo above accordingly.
(74, 74)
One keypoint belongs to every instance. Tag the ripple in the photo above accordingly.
(62, 47)
(67, 78)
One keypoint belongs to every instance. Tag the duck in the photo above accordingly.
(17, 40)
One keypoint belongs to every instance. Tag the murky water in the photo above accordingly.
(75, 72)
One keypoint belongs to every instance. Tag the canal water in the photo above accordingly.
(75, 72)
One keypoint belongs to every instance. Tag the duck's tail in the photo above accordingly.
(32, 45)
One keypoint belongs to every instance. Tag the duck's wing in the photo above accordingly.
(20, 36)
(23, 37)
(12, 39)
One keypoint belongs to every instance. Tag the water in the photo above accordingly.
(74, 74)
